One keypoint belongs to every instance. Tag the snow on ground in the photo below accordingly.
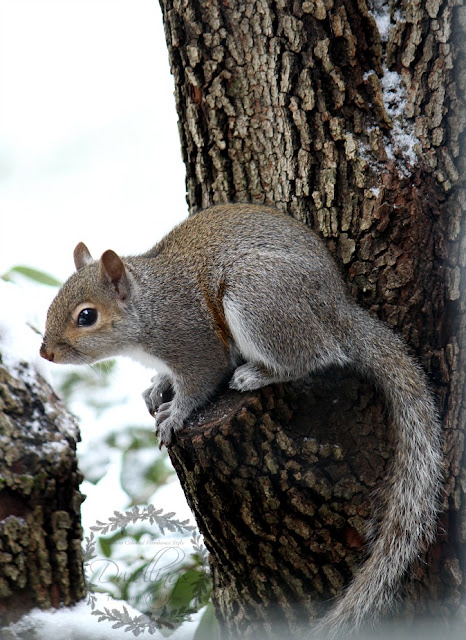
(79, 623)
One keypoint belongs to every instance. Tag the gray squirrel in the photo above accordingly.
(245, 294)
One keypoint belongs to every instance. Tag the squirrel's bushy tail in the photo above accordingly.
(409, 497)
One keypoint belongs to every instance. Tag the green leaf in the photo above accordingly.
(33, 274)
(184, 590)
(106, 543)
(192, 589)
(208, 628)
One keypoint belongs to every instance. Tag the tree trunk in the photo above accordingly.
(40, 526)
(355, 129)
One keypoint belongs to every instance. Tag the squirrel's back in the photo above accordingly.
(233, 230)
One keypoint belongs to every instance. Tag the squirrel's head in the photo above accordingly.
(87, 320)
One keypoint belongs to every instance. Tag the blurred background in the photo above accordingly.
(89, 151)
(89, 146)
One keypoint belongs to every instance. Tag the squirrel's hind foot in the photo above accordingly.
(249, 376)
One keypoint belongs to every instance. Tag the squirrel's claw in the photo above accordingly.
(157, 394)
(166, 423)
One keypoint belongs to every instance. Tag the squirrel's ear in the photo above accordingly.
(81, 256)
(113, 269)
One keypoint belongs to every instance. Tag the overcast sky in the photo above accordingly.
(89, 146)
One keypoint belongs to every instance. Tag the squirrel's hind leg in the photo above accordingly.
(252, 376)
(279, 343)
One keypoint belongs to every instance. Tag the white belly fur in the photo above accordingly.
(147, 360)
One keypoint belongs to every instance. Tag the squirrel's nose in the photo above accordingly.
(46, 354)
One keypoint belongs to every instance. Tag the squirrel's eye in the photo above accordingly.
(87, 317)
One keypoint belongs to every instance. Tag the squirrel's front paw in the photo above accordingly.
(166, 424)
(159, 393)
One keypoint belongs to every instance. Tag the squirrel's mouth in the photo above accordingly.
(62, 353)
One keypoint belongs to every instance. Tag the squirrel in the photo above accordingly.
(246, 294)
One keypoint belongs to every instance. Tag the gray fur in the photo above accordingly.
(244, 293)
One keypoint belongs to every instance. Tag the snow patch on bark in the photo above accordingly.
(402, 139)
(381, 12)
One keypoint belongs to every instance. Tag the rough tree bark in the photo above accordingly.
(348, 116)
(40, 524)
